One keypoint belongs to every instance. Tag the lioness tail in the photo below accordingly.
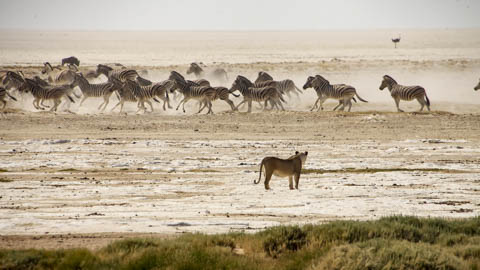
(260, 177)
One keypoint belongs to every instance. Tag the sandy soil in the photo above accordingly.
(71, 180)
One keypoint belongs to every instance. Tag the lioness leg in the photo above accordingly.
(290, 182)
(297, 179)
(268, 176)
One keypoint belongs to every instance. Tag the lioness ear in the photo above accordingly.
(306, 153)
(296, 152)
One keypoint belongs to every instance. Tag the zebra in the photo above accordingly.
(104, 90)
(218, 73)
(342, 92)
(478, 86)
(222, 93)
(145, 93)
(192, 90)
(58, 77)
(3, 95)
(13, 80)
(71, 60)
(40, 81)
(119, 74)
(250, 93)
(400, 92)
(124, 94)
(56, 93)
(285, 87)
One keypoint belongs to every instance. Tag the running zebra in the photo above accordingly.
(3, 95)
(124, 94)
(104, 90)
(251, 93)
(222, 93)
(477, 87)
(58, 76)
(218, 73)
(13, 80)
(342, 92)
(145, 93)
(285, 87)
(400, 92)
(56, 93)
(120, 74)
(191, 90)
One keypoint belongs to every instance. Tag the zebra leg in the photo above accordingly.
(236, 108)
(315, 105)
(210, 108)
(151, 105)
(83, 99)
(422, 103)
(339, 104)
(349, 105)
(41, 104)
(280, 103)
(397, 102)
(4, 103)
(56, 102)
(249, 106)
(230, 103)
(204, 103)
(265, 106)
(321, 104)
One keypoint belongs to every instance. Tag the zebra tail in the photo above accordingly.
(428, 100)
(361, 99)
(235, 95)
(10, 96)
(118, 96)
(281, 98)
(71, 99)
(354, 99)
(156, 100)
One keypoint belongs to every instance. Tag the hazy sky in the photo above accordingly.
(237, 15)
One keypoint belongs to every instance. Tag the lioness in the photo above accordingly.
(283, 167)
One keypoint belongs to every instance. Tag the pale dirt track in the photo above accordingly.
(91, 179)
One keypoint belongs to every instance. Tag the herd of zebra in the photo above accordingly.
(129, 86)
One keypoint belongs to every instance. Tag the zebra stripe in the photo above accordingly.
(120, 74)
(342, 92)
(104, 90)
(284, 87)
(251, 93)
(124, 94)
(400, 92)
(191, 90)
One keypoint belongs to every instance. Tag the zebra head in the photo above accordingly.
(103, 69)
(78, 79)
(13, 79)
(387, 82)
(195, 69)
(28, 85)
(477, 87)
(263, 76)
(241, 84)
(47, 68)
(308, 84)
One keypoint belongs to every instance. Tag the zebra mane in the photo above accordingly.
(104, 67)
(390, 79)
(244, 80)
(15, 76)
(265, 76)
(321, 79)
(48, 64)
(196, 67)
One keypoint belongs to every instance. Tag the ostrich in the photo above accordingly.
(396, 40)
